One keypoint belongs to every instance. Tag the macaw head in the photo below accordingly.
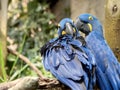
(87, 23)
(66, 26)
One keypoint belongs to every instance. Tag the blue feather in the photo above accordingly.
(102, 80)
(104, 58)
(69, 61)
(106, 61)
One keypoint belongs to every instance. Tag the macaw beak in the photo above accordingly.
(83, 27)
(69, 29)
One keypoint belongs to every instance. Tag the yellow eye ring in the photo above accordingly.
(90, 18)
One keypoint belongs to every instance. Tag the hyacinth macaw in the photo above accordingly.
(108, 67)
(68, 59)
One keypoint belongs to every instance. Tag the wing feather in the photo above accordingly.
(67, 61)
(105, 59)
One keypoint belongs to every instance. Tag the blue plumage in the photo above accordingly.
(107, 71)
(68, 59)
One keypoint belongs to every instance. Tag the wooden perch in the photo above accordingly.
(26, 83)
(33, 83)
(29, 83)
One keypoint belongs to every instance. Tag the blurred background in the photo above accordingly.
(31, 23)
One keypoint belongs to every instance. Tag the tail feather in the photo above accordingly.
(117, 73)
(102, 80)
(112, 78)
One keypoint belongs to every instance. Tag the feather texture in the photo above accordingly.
(108, 67)
(66, 60)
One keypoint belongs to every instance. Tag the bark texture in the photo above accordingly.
(112, 25)
(33, 83)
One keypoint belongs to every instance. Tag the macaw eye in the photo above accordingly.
(90, 18)
(63, 32)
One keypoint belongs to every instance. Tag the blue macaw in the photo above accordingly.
(108, 67)
(67, 58)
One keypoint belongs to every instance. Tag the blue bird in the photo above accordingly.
(108, 67)
(67, 58)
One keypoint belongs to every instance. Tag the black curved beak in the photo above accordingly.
(69, 29)
(81, 26)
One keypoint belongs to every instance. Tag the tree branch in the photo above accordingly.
(33, 83)
(26, 60)
(26, 83)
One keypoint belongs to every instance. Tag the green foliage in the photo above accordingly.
(30, 25)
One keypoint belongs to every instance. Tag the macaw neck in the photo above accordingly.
(96, 34)
(97, 28)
